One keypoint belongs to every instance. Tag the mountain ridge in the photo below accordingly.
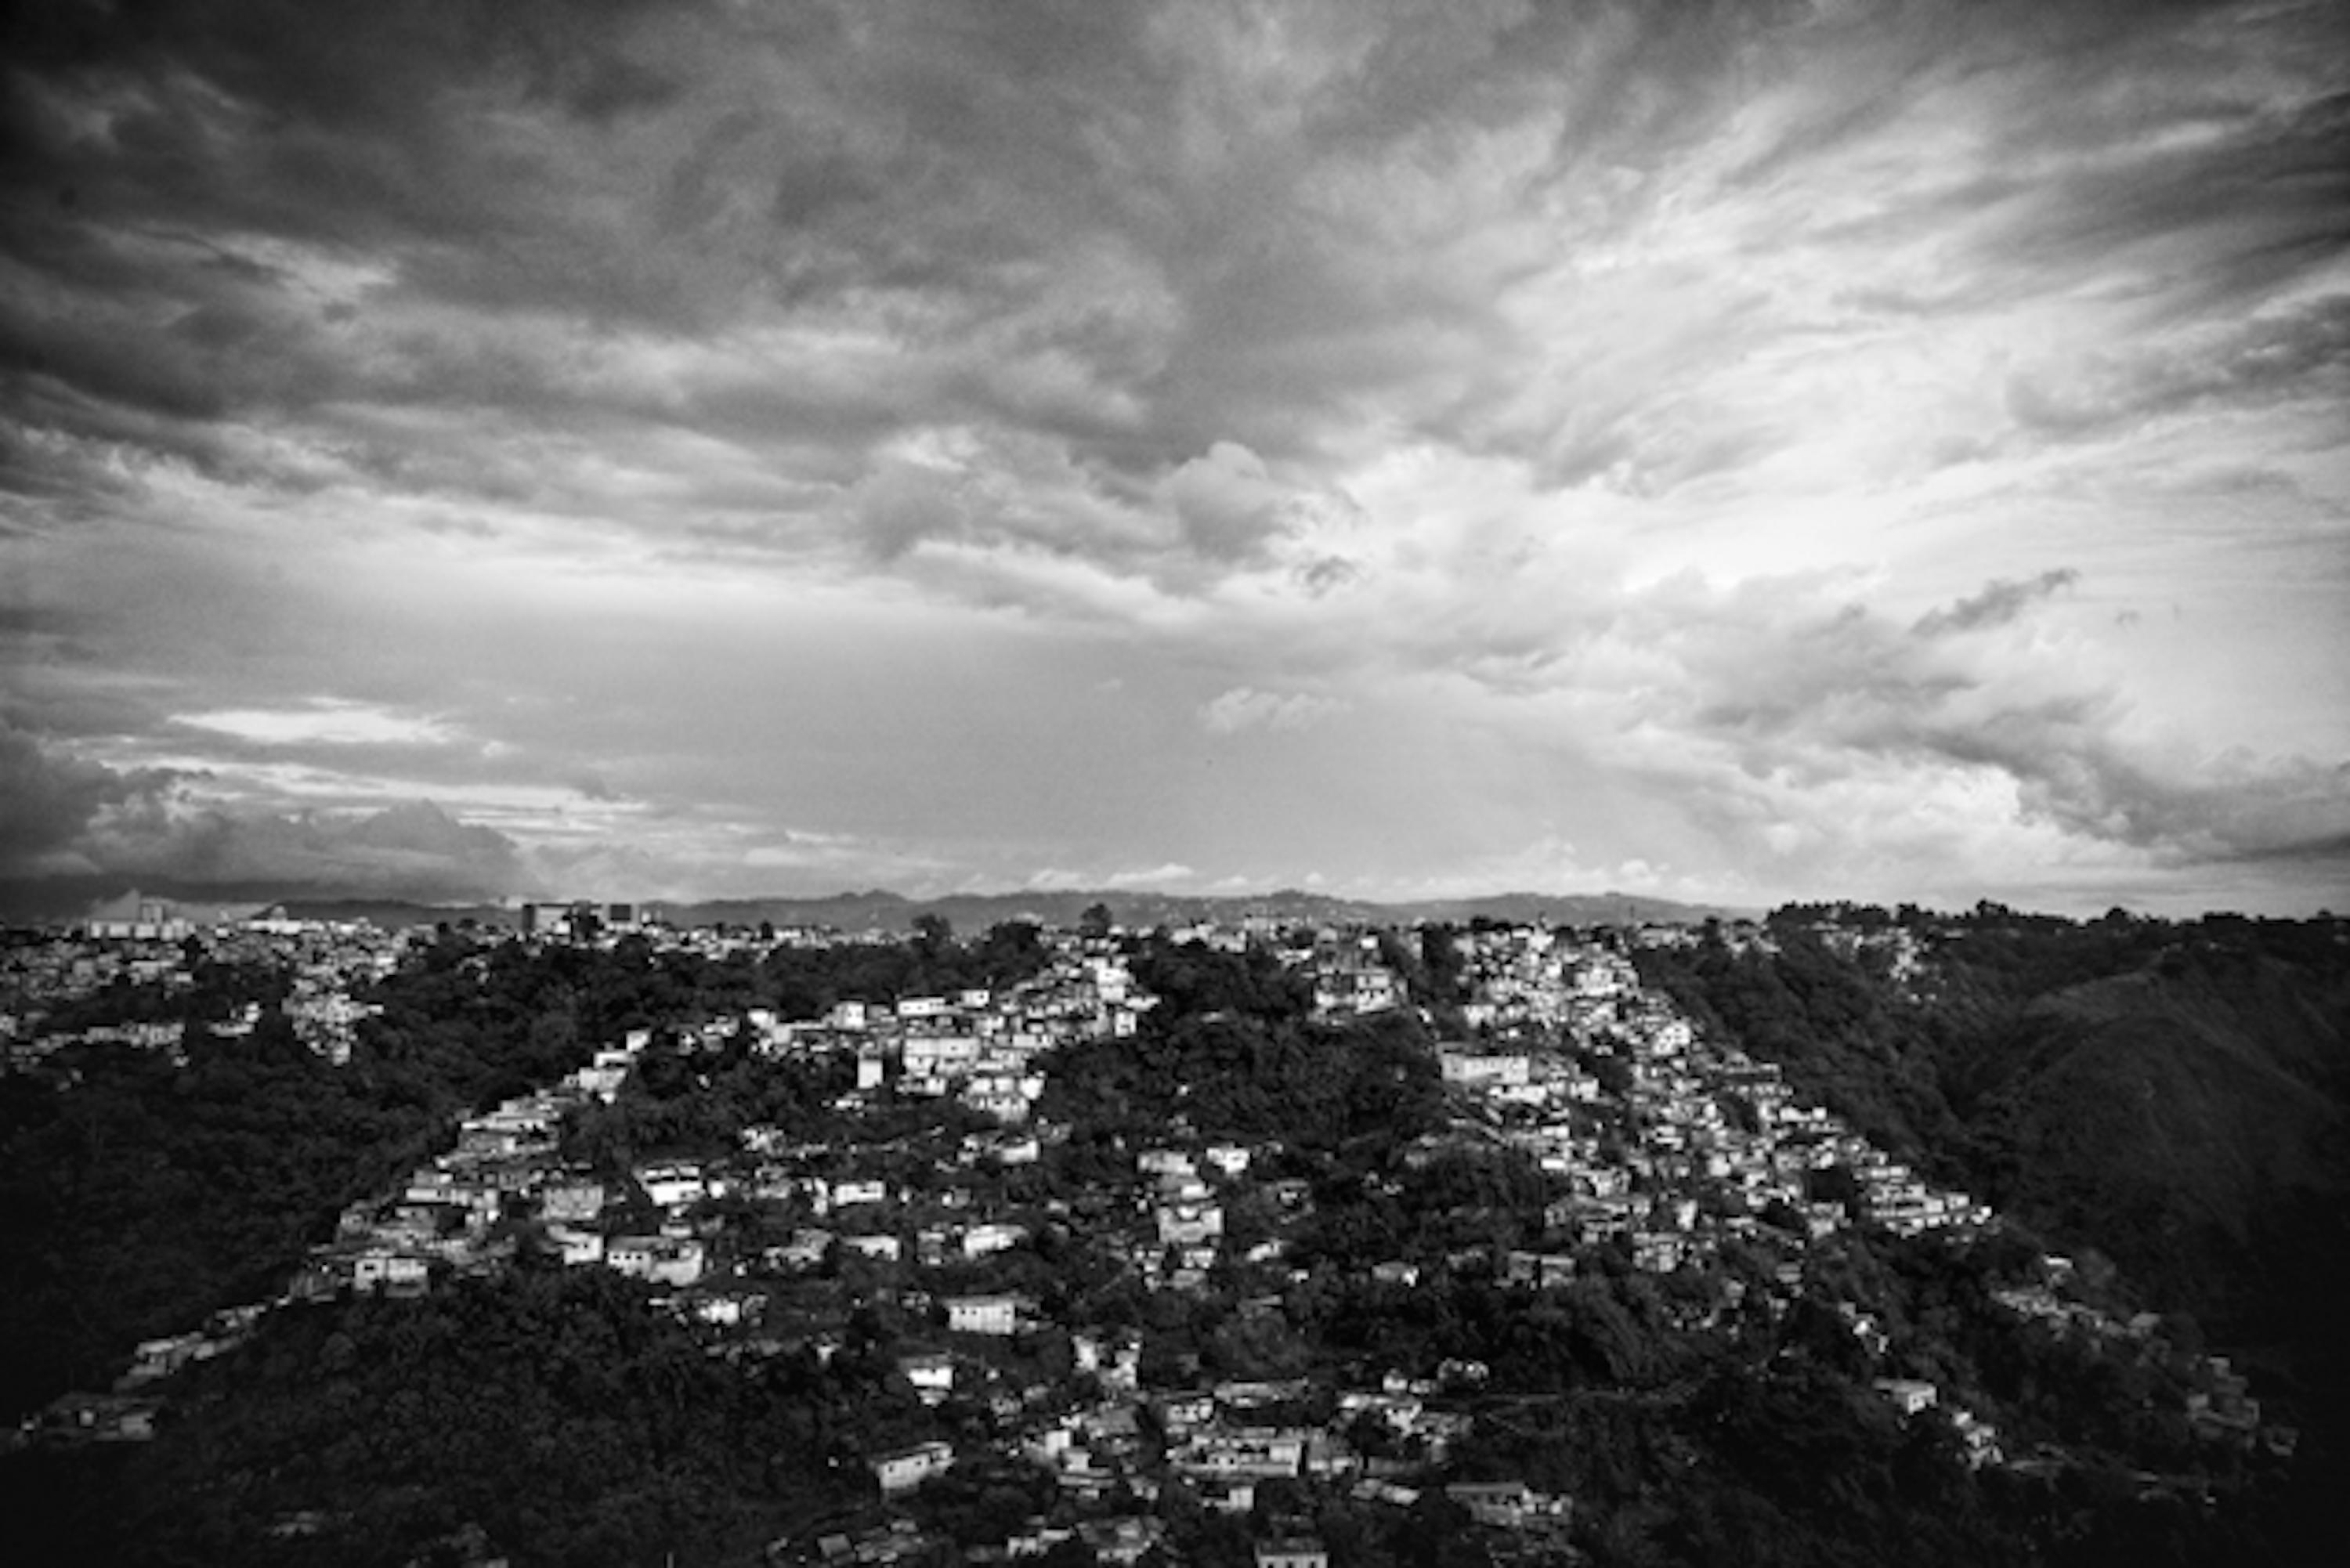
(883, 908)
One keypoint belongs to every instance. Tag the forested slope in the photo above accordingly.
(2172, 1097)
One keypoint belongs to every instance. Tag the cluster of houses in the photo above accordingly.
(2220, 1407)
(52, 969)
(1667, 1139)
(1706, 1141)
(456, 1212)
(39, 978)
(1349, 980)
(159, 948)
(1113, 1445)
(980, 1046)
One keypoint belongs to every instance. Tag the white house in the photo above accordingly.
(981, 1241)
(933, 1374)
(669, 1185)
(662, 1259)
(909, 1468)
(998, 1314)
(1292, 1552)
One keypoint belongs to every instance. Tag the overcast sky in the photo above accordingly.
(1736, 451)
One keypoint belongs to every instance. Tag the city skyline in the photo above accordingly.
(1835, 451)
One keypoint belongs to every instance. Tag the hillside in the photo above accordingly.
(2172, 1098)
(2168, 1095)
(1235, 1197)
(2187, 1117)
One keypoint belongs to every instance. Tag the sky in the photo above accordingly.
(1738, 452)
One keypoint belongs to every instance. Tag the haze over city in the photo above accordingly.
(1731, 454)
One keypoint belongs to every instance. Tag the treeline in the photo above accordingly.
(1230, 1050)
(805, 983)
(556, 997)
(550, 1416)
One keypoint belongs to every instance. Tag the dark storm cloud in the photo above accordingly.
(941, 163)
(415, 850)
(357, 125)
(65, 815)
(48, 802)
(1127, 230)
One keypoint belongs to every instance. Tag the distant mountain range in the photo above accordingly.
(974, 912)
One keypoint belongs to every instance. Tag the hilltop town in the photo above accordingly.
(1047, 1216)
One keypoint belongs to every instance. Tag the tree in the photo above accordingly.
(933, 935)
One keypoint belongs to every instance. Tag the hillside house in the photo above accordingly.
(571, 1203)
(931, 1374)
(993, 1315)
(393, 1273)
(1506, 1505)
(1907, 1394)
(1190, 1224)
(579, 1248)
(909, 1468)
(660, 1260)
(1485, 1070)
(1292, 1552)
(673, 1184)
(849, 1193)
(986, 1239)
(1120, 1541)
(1254, 1451)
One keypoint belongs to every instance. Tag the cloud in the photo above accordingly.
(50, 802)
(64, 816)
(899, 504)
(1327, 572)
(1244, 708)
(414, 850)
(1802, 697)
(531, 369)
(1166, 271)
(322, 721)
(1999, 603)
(1150, 876)
(1228, 505)
(2300, 352)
